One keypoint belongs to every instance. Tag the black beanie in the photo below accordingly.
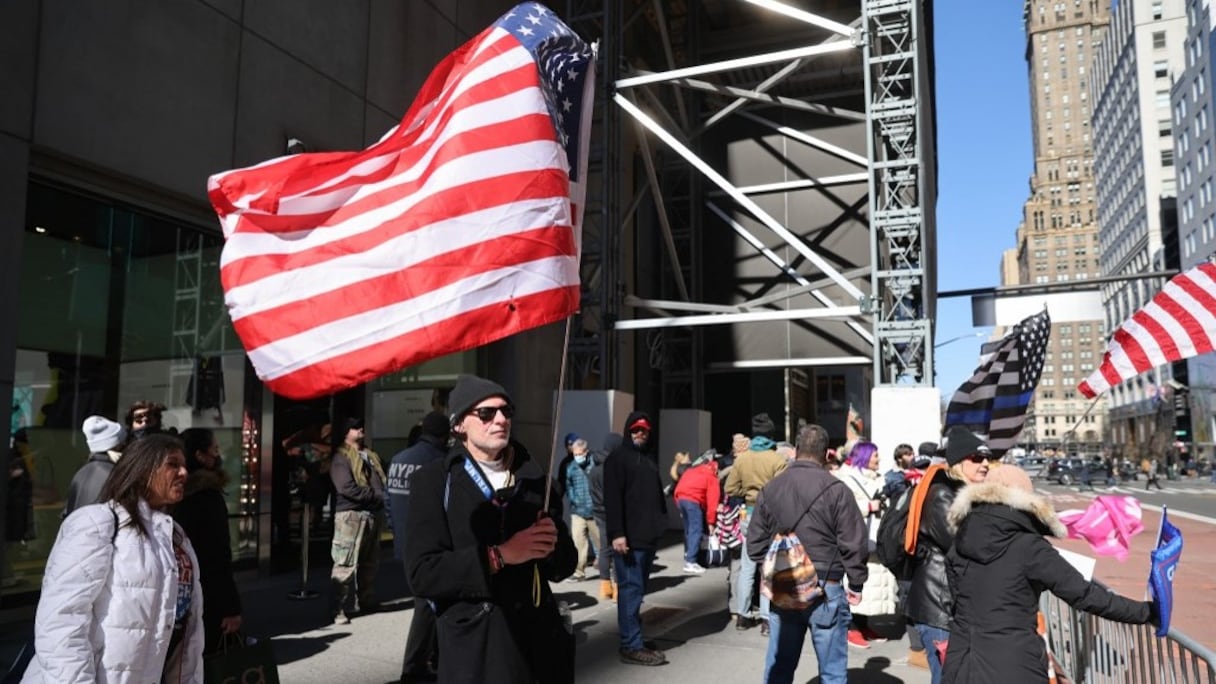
(762, 425)
(927, 449)
(961, 443)
(469, 390)
(435, 424)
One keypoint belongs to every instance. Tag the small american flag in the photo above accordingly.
(993, 402)
(1179, 322)
(461, 226)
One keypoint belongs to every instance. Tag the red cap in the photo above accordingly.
(640, 423)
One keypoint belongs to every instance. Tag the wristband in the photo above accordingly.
(496, 561)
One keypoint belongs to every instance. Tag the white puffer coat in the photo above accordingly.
(107, 609)
(880, 594)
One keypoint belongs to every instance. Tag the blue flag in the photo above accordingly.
(1161, 577)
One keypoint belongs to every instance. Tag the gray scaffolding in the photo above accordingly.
(798, 72)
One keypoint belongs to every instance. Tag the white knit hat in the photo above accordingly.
(102, 434)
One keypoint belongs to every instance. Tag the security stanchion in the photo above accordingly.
(303, 593)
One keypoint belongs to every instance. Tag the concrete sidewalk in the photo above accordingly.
(687, 616)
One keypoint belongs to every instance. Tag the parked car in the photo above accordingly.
(1034, 466)
(1067, 471)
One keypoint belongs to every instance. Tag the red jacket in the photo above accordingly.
(700, 486)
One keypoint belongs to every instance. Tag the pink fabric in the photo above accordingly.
(1107, 525)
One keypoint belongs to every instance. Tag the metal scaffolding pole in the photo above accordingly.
(894, 80)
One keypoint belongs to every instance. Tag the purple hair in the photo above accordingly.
(859, 455)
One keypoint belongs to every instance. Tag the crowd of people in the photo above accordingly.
(139, 583)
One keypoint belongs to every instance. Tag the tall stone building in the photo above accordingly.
(1057, 241)
(1134, 164)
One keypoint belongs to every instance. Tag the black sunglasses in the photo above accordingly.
(980, 458)
(486, 413)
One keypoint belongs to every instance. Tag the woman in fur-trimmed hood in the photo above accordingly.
(1000, 563)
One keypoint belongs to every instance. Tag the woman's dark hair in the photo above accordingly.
(155, 411)
(196, 440)
(132, 475)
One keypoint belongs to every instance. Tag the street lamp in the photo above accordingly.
(968, 336)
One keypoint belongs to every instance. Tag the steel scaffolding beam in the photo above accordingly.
(838, 103)
(900, 192)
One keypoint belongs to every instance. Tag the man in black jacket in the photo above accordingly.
(811, 502)
(636, 514)
(483, 548)
(421, 657)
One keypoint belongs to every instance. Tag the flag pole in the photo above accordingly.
(1073, 429)
(557, 412)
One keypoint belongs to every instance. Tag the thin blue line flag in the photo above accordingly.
(1161, 576)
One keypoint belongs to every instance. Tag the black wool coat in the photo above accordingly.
(203, 515)
(490, 626)
(998, 567)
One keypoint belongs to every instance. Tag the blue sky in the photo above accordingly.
(984, 162)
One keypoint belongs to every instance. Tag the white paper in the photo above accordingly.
(1084, 564)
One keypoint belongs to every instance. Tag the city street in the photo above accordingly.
(1192, 507)
(687, 616)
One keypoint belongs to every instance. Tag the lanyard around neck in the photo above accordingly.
(478, 479)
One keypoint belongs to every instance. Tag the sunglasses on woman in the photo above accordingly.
(486, 413)
(980, 458)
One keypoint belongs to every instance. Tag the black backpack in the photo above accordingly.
(890, 543)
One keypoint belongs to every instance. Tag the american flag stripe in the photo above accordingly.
(307, 179)
(383, 292)
(364, 330)
(459, 227)
(520, 108)
(464, 329)
(1177, 324)
(402, 228)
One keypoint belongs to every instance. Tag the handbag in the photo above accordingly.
(713, 553)
(248, 661)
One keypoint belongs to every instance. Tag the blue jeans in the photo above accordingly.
(603, 555)
(694, 526)
(632, 573)
(828, 621)
(930, 636)
(745, 579)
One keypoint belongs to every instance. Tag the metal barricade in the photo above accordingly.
(1091, 650)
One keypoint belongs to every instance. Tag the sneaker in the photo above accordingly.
(341, 619)
(918, 659)
(693, 569)
(856, 640)
(643, 656)
(763, 627)
(576, 578)
(872, 636)
(743, 623)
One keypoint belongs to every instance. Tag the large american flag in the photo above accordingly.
(461, 226)
(1179, 322)
(993, 402)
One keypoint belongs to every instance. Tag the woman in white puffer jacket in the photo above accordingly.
(121, 602)
(880, 594)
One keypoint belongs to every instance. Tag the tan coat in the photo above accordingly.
(751, 471)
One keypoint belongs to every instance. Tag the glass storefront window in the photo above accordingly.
(400, 400)
(117, 306)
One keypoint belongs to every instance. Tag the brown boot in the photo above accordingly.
(606, 589)
(918, 659)
(615, 594)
